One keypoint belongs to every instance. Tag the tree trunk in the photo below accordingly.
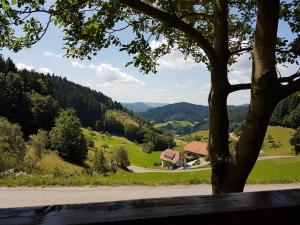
(230, 172)
(219, 124)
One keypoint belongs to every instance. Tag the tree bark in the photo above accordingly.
(219, 124)
(264, 98)
(230, 172)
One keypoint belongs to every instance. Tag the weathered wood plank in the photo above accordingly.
(238, 208)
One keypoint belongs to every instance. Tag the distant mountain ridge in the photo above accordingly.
(138, 107)
(181, 111)
(196, 114)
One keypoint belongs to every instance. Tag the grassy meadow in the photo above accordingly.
(52, 170)
(279, 134)
(135, 151)
(175, 124)
(283, 170)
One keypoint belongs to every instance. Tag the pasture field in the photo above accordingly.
(283, 170)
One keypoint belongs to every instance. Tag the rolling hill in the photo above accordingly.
(182, 111)
(139, 107)
(197, 116)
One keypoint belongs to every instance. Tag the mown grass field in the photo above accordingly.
(135, 151)
(283, 170)
(175, 124)
(279, 134)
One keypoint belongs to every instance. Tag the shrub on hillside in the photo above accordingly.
(66, 137)
(148, 147)
(12, 145)
(101, 165)
(40, 141)
(295, 141)
(121, 157)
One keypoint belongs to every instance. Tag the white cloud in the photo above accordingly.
(110, 74)
(156, 44)
(240, 72)
(53, 55)
(44, 70)
(113, 74)
(21, 66)
(177, 61)
(174, 60)
(78, 65)
(287, 69)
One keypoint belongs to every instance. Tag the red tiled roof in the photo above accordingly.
(171, 155)
(196, 147)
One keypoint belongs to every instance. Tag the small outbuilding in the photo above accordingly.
(196, 149)
(172, 158)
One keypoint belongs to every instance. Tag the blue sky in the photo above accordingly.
(177, 80)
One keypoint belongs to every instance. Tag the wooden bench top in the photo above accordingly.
(273, 207)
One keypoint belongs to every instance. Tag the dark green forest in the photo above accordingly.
(287, 112)
(34, 100)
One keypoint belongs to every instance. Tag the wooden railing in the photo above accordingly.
(269, 207)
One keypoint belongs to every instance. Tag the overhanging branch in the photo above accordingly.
(239, 87)
(198, 15)
(175, 22)
(292, 86)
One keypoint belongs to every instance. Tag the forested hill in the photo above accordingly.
(182, 111)
(89, 104)
(33, 100)
(287, 112)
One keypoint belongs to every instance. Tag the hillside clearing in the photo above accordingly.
(135, 151)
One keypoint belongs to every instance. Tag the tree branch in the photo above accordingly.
(292, 86)
(175, 22)
(250, 48)
(238, 87)
(198, 15)
(290, 78)
(247, 49)
(202, 2)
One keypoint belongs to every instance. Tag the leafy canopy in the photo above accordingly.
(66, 137)
(91, 25)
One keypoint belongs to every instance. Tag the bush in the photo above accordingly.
(66, 137)
(12, 145)
(295, 141)
(39, 142)
(121, 157)
(101, 165)
(113, 168)
(148, 147)
(57, 172)
(8, 161)
(90, 142)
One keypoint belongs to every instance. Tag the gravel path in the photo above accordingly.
(25, 196)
